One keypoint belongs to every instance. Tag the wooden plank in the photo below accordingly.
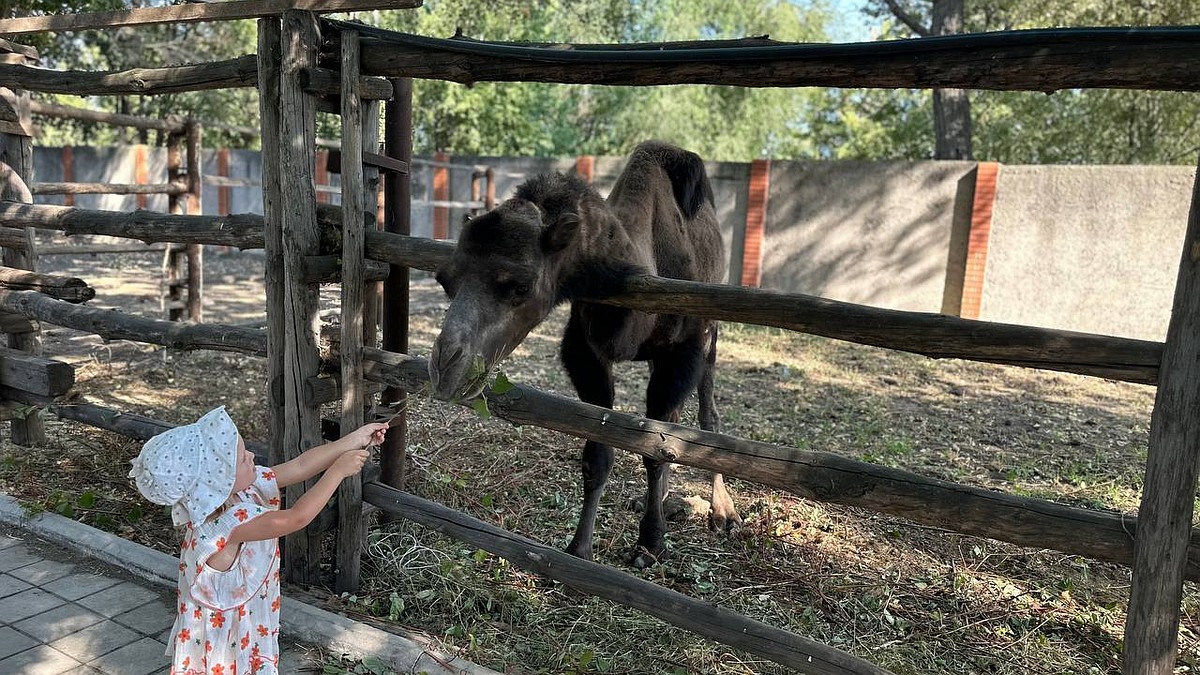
(69, 289)
(327, 269)
(821, 476)
(1172, 466)
(1029, 60)
(35, 374)
(301, 237)
(351, 529)
(369, 159)
(190, 13)
(14, 238)
(702, 618)
(15, 323)
(30, 53)
(326, 82)
(231, 73)
(109, 188)
(393, 456)
(104, 117)
(94, 249)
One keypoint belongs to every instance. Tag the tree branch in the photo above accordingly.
(907, 18)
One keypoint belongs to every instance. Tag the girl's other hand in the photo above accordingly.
(349, 463)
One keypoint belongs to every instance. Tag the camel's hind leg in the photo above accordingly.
(722, 514)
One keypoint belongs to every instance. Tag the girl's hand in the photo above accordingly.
(367, 434)
(349, 463)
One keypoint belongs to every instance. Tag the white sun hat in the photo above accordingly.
(190, 468)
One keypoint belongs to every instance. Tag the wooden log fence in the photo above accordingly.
(104, 117)
(109, 188)
(35, 374)
(1040, 60)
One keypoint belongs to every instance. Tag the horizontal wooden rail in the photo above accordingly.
(70, 289)
(933, 335)
(94, 249)
(820, 476)
(326, 82)
(14, 238)
(112, 325)
(35, 374)
(1029, 60)
(189, 13)
(702, 618)
(177, 188)
(104, 117)
(238, 72)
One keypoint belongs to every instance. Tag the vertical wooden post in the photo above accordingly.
(373, 191)
(398, 201)
(269, 60)
(172, 296)
(349, 500)
(16, 165)
(195, 252)
(1172, 465)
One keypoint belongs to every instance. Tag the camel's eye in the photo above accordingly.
(514, 292)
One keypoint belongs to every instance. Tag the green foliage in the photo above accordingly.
(370, 665)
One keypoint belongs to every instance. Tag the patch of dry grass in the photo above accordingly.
(911, 598)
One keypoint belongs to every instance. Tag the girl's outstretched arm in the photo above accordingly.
(315, 460)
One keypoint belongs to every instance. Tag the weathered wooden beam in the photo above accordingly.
(1172, 466)
(702, 618)
(334, 163)
(351, 529)
(301, 237)
(270, 234)
(821, 476)
(189, 13)
(1029, 60)
(113, 325)
(319, 390)
(327, 269)
(93, 249)
(14, 238)
(70, 289)
(35, 374)
(15, 323)
(228, 74)
(109, 188)
(239, 230)
(326, 82)
(104, 117)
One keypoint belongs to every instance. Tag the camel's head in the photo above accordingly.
(502, 280)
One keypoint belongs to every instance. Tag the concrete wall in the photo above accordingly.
(1087, 248)
(886, 234)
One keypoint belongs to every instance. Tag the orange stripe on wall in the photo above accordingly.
(977, 241)
(141, 174)
(441, 192)
(585, 167)
(756, 221)
(68, 160)
(322, 176)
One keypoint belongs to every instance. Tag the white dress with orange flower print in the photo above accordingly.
(228, 621)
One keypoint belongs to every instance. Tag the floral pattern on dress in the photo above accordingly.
(228, 621)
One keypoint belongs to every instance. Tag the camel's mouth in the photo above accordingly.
(454, 377)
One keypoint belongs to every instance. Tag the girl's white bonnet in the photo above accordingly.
(190, 468)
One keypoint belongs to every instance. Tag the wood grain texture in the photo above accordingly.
(35, 374)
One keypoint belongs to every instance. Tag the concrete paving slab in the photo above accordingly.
(12, 642)
(78, 585)
(118, 599)
(150, 618)
(41, 660)
(139, 658)
(86, 670)
(17, 556)
(95, 641)
(42, 572)
(27, 603)
(10, 585)
(58, 622)
(6, 541)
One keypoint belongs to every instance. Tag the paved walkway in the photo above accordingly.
(47, 563)
(60, 613)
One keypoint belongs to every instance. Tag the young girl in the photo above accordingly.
(228, 620)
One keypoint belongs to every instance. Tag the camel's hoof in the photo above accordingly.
(581, 552)
(727, 522)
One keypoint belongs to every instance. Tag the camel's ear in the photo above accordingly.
(560, 234)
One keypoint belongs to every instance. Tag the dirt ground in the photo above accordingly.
(910, 598)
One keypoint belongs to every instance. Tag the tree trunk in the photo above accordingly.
(951, 107)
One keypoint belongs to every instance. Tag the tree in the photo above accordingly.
(951, 107)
